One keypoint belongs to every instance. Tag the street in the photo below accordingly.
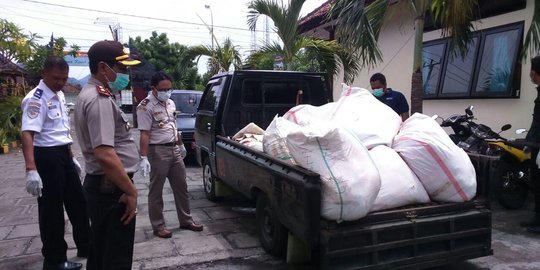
(228, 240)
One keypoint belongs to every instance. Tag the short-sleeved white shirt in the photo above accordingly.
(45, 113)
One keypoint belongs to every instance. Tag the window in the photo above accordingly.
(489, 69)
(273, 91)
(211, 97)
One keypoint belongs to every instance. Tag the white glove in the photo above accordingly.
(33, 183)
(538, 160)
(144, 166)
(183, 151)
(78, 167)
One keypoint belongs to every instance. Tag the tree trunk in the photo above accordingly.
(417, 90)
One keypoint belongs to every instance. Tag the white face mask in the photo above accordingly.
(164, 95)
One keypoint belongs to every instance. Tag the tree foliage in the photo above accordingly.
(167, 56)
(221, 57)
(330, 56)
(56, 47)
(14, 44)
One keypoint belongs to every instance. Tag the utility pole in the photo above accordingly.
(114, 27)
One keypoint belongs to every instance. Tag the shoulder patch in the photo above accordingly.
(144, 102)
(38, 93)
(142, 105)
(103, 91)
(33, 109)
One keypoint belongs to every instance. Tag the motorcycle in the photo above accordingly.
(513, 170)
(469, 135)
(512, 176)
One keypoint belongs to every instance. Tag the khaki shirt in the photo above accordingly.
(158, 118)
(99, 121)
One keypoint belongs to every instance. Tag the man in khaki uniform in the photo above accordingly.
(111, 158)
(162, 153)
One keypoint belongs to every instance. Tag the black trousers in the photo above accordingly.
(61, 188)
(535, 179)
(111, 242)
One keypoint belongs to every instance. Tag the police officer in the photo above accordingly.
(162, 153)
(111, 158)
(52, 173)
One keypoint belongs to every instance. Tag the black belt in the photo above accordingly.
(164, 144)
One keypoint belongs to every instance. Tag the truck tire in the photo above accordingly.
(209, 181)
(272, 234)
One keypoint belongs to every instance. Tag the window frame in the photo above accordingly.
(512, 90)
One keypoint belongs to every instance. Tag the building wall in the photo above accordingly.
(396, 44)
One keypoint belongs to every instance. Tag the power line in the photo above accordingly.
(135, 16)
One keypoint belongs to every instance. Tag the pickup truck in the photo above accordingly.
(288, 197)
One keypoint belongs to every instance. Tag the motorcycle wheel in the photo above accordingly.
(512, 189)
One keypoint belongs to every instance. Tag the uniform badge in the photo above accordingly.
(103, 91)
(33, 109)
(38, 93)
(142, 105)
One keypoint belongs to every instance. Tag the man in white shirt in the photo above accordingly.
(52, 173)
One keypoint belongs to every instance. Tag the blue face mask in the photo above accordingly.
(378, 92)
(121, 82)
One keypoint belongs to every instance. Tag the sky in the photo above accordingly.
(184, 21)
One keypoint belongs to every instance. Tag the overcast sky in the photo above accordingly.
(85, 22)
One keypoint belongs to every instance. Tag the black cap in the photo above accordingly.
(110, 51)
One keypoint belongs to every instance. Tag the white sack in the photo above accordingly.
(399, 185)
(250, 128)
(274, 140)
(444, 169)
(349, 178)
(372, 121)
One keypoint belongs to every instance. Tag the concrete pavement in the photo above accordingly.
(229, 230)
(228, 240)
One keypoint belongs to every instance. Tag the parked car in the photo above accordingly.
(187, 102)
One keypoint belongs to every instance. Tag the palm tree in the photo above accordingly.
(330, 55)
(359, 27)
(221, 58)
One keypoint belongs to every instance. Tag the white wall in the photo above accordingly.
(396, 44)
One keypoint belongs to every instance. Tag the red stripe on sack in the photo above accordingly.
(292, 113)
(443, 166)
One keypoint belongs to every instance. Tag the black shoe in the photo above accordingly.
(533, 222)
(67, 265)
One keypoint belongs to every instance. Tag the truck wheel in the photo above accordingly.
(512, 189)
(272, 234)
(209, 181)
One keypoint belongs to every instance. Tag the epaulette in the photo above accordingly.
(142, 105)
(103, 91)
(38, 93)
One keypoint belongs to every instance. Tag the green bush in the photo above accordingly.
(11, 118)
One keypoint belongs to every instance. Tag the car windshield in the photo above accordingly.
(186, 102)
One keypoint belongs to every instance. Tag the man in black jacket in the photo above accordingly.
(533, 225)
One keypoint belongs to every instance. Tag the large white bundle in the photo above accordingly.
(399, 185)
(373, 122)
(274, 140)
(444, 169)
(349, 178)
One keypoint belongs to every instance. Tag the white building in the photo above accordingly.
(492, 77)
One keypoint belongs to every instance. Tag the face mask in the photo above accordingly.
(378, 92)
(164, 95)
(122, 80)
